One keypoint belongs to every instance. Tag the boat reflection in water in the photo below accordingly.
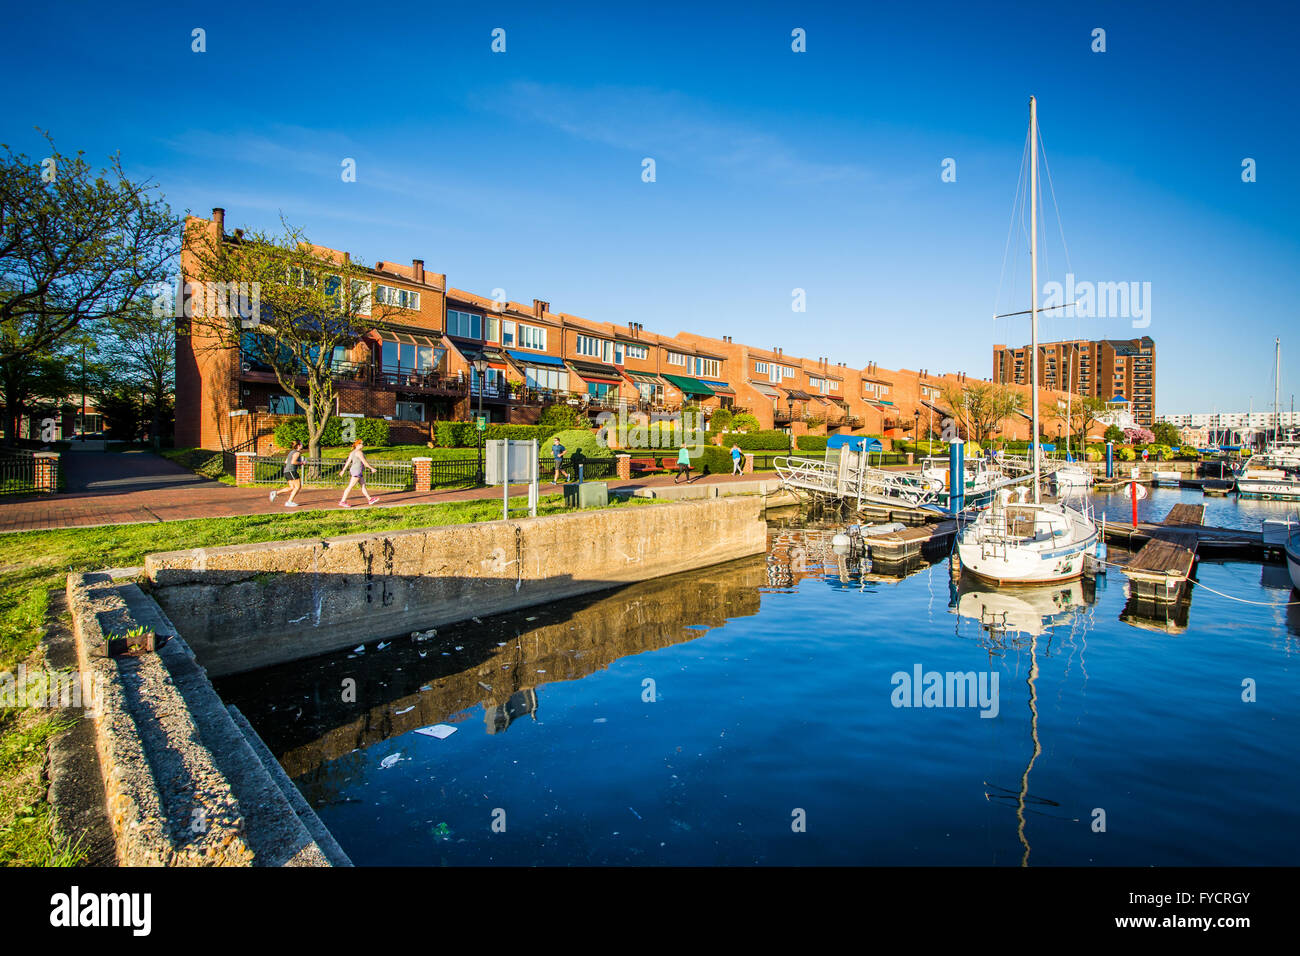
(501, 663)
(1017, 617)
(794, 554)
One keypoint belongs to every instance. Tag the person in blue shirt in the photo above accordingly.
(557, 453)
(736, 468)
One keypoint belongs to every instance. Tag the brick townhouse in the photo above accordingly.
(443, 353)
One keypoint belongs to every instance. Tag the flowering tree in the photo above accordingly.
(1139, 436)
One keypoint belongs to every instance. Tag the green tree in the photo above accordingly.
(980, 408)
(1114, 434)
(745, 422)
(30, 382)
(285, 305)
(76, 246)
(138, 350)
(1166, 433)
(561, 415)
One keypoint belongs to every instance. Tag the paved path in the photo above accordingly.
(127, 487)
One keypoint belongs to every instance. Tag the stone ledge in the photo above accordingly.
(174, 762)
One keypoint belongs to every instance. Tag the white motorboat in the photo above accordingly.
(1167, 479)
(1071, 477)
(1028, 542)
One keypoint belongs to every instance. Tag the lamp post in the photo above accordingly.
(480, 366)
(916, 425)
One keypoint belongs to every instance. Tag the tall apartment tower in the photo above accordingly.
(1105, 368)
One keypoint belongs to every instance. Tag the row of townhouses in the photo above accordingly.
(422, 368)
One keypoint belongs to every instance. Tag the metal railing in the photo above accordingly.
(324, 473)
(17, 472)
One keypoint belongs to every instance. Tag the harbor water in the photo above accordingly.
(761, 712)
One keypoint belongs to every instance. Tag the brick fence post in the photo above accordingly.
(749, 463)
(910, 456)
(47, 470)
(244, 467)
(423, 473)
(624, 467)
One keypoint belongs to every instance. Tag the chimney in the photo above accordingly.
(417, 267)
(540, 307)
(219, 218)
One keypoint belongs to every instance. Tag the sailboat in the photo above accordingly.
(1028, 542)
(1275, 472)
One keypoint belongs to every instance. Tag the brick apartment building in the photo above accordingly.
(1105, 368)
(417, 365)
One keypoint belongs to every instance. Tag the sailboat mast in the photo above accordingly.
(1277, 383)
(1033, 281)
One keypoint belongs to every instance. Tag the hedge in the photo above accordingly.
(770, 440)
(811, 442)
(372, 431)
(465, 435)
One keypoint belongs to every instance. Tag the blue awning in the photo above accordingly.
(534, 358)
(856, 443)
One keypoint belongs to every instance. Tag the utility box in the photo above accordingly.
(522, 457)
(589, 494)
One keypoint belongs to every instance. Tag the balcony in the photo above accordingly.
(366, 375)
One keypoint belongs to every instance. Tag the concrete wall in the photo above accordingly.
(250, 606)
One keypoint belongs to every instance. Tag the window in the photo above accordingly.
(493, 329)
(410, 411)
(599, 390)
(467, 325)
(399, 298)
(531, 337)
(590, 346)
(618, 353)
(408, 357)
(637, 352)
(551, 378)
(507, 334)
(760, 368)
(709, 368)
(676, 358)
(281, 405)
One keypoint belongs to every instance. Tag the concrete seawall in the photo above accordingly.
(250, 606)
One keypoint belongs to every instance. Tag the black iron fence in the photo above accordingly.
(17, 472)
(325, 473)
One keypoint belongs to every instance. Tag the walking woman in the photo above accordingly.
(356, 466)
(683, 465)
(292, 462)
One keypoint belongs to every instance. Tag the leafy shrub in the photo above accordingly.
(578, 439)
(465, 435)
(1113, 434)
(1126, 454)
(721, 419)
(372, 431)
(295, 429)
(745, 422)
(770, 440)
(560, 416)
(811, 442)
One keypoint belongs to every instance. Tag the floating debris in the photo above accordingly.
(404, 710)
(382, 645)
(359, 649)
(390, 760)
(635, 814)
(441, 731)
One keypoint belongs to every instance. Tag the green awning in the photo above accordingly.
(688, 386)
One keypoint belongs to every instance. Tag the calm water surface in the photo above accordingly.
(694, 719)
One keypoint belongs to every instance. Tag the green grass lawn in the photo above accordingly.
(34, 563)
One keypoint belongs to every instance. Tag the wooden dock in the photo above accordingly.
(1160, 570)
(899, 546)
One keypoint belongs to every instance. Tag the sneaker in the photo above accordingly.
(273, 494)
(291, 504)
(344, 504)
(371, 500)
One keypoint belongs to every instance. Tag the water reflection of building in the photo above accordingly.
(498, 664)
(522, 703)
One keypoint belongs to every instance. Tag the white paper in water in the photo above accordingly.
(441, 731)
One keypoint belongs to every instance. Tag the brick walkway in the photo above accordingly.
(129, 487)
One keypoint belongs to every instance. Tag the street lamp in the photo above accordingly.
(916, 425)
(481, 366)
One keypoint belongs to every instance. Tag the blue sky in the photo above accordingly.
(775, 170)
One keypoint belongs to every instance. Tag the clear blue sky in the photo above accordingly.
(775, 170)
